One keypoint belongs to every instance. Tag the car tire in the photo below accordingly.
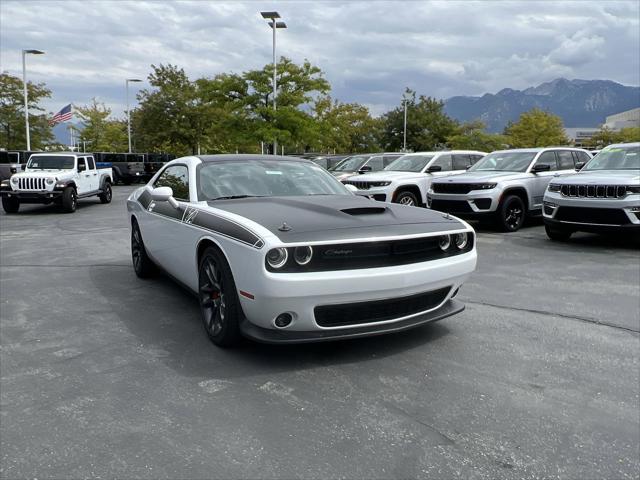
(142, 264)
(406, 198)
(218, 297)
(511, 214)
(107, 194)
(10, 204)
(557, 235)
(69, 200)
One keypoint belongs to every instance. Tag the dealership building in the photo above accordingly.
(580, 135)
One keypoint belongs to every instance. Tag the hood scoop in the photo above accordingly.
(364, 210)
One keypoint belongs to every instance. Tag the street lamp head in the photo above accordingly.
(133, 80)
(278, 25)
(270, 15)
(34, 52)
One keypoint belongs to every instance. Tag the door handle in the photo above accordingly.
(95, 174)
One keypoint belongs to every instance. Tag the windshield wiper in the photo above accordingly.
(233, 197)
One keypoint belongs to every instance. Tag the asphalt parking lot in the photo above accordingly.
(106, 375)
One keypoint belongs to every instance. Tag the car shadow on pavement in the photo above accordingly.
(51, 209)
(166, 318)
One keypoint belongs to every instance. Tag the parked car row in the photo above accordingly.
(510, 185)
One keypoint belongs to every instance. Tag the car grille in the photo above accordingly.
(594, 191)
(26, 183)
(378, 310)
(453, 187)
(451, 206)
(360, 185)
(604, 216)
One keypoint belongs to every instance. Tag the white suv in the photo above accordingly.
(408, 178)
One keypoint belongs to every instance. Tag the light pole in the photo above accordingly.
(274, 25)
(405, 99)
(24, 85)
(129, 114)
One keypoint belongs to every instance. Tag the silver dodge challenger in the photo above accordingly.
(279, 251)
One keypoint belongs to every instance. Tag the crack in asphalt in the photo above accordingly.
(555, 314)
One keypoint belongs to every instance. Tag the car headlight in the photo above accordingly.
(302, 255)
(485, 186)
(380, 184)
(14, 180)
(445, 242)
(277, 257)
(50, 180)
(633, 189)
(554, 187)
(461, 240)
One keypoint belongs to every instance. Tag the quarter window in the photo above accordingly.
(176, 177)
(375, 163)
(82, 165)
(548, 158)
(565, 160)
(443, 161)
(92, 165)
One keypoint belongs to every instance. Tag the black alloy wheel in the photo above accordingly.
(142, 264)
(106, 195)
(69, 200)
(219, 303)
(512, 213)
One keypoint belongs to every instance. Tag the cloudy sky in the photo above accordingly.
(369, 50)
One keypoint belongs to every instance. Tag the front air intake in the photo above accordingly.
(364, 210)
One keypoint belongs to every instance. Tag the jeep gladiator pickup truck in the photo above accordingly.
(61, 178)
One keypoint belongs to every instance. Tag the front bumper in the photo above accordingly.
(475, 204)
(265, 335)
(300, 293)
(595, 215)
(381, 194)
(32, 196)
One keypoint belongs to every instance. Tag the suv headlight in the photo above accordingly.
(14, 180)
(633, 189)
(50, 180)
(485, 186)
(379, 184)
(554, 187)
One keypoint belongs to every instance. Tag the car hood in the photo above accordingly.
(342, 174)
(45, 174)
(336, 217)
(601, 177)
(475, 177)
(386, 176)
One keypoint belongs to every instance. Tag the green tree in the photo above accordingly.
(428, 127)
(99, 131)
(12, 128)
(473, 136)
(536, 128)
(345, 127)
(628, 135)
(605, 136)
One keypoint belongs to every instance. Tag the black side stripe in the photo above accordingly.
(201, 219)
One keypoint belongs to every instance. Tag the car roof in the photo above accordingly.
(80, 154)
(445, 151)
(248, 156)
(617, 145)
(539, 149)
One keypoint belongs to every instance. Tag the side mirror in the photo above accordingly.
(164, 194)
(579, 166)
(365, 169)
(351, 188)
(81, 168)
(23, 166)
(540, 167)
(468, 167)
(434, 168)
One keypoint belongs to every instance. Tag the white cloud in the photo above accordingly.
(370, 51)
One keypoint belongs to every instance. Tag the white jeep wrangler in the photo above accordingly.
(57, 177)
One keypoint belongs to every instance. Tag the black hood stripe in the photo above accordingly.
(202, 219)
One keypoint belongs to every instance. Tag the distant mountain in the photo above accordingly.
(580, 103)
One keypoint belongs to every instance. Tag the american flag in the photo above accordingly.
(62, 116)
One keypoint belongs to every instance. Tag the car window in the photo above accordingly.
(388, 159)
(548, 158)
(443, 161)
(583, 156)
(176, 177)
(375, 163)
(475, 158)
(81, 163)
(565, 160)
(461, 162)
(91, 163)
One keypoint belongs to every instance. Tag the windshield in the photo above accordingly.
(616, 158)
(409, 163)
(351, 164)
(265, 178)
(504, 162)
(50, 162)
